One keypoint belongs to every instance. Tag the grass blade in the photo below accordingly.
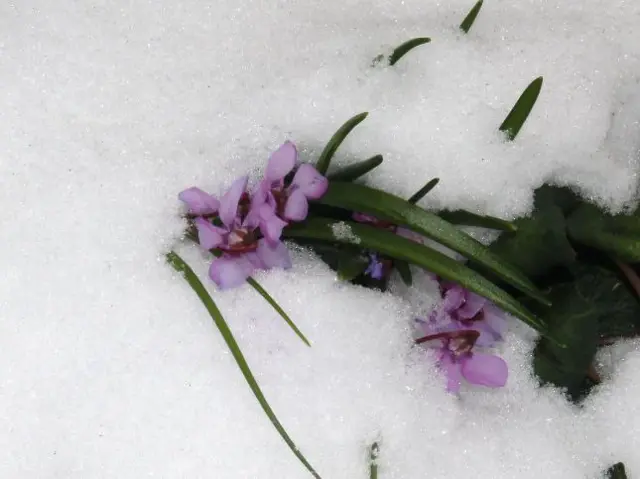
(354, 197)
(179, 265)
(405, 48)
(192, 235)
(336, 140)
(397, 247)
(465, 26)
(374, 452)
(466, 218)
(262, 292)
(403, 269)
(422, 192)
(355, 171)
(520, 111)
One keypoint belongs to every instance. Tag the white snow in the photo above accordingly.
(111, 366)
(342, 231)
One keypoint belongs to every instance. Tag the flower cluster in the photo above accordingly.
(463, 322)
(244, 229)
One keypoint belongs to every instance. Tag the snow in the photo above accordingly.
(342, 231)
(110, 365)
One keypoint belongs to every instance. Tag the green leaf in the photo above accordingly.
(255, 285)
(471, 17)
(355, 171)
(519, 113)
(350, 266)
(595, 303)
(336, 140)
(617, 471)
(617, 235)
(405, 48)
(397, 247)
(466, 218)
(374, 451)
(354, 197)
(422, 192)
(179, 265)
(261, 291)
(540, 243)
(403, 269)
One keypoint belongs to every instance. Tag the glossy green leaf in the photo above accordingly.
(466, 218)
(617, 235)
(355, 171)
(336, 140)
(466, 24)
(351, 266)
(520, 112)
(422, 192)
(405, 48)
(354, 197)
(374, 451)
(541, 242)
(179, 265)
(398, 247)
(262, 292)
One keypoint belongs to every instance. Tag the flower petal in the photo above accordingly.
(485, 370)
(281, 162)
(472, 306)
(454, 298)
(296, 207)
(310, 182)
(229, 201)
(230, 272)
(209, 236)
(270, 224)
(492, 326)
(273, 256)
(411, 235)
(199, 202)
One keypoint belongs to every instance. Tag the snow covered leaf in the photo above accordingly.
(336, 140)
(179, 265)
(466, 24)
(385, 206)
(405, 48)
(520, 112)
(394, 246)
(355, 171)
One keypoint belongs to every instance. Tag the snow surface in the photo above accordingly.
(110, 365)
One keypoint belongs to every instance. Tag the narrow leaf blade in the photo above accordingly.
(520, 112)
(355, 171)
(466, 218)
(406, 47)
(422, 192)
(354, 197)
(466, 24)
(374, 451)
(179, 265)
(397, 247)
(262, 292)
(336, 140)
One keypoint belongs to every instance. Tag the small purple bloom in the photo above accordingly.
(376, 268)
(237, 237)
(199, 202)
(456, 358)
(287, 202)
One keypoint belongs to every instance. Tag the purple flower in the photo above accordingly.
(236, 235)
(376, 268)
(199, 202)
(471, 311)
(280, 202)
(456, 358)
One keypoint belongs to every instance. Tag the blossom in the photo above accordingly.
(236, 235)
(471, 311)
(279, 202)
(457, 359)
